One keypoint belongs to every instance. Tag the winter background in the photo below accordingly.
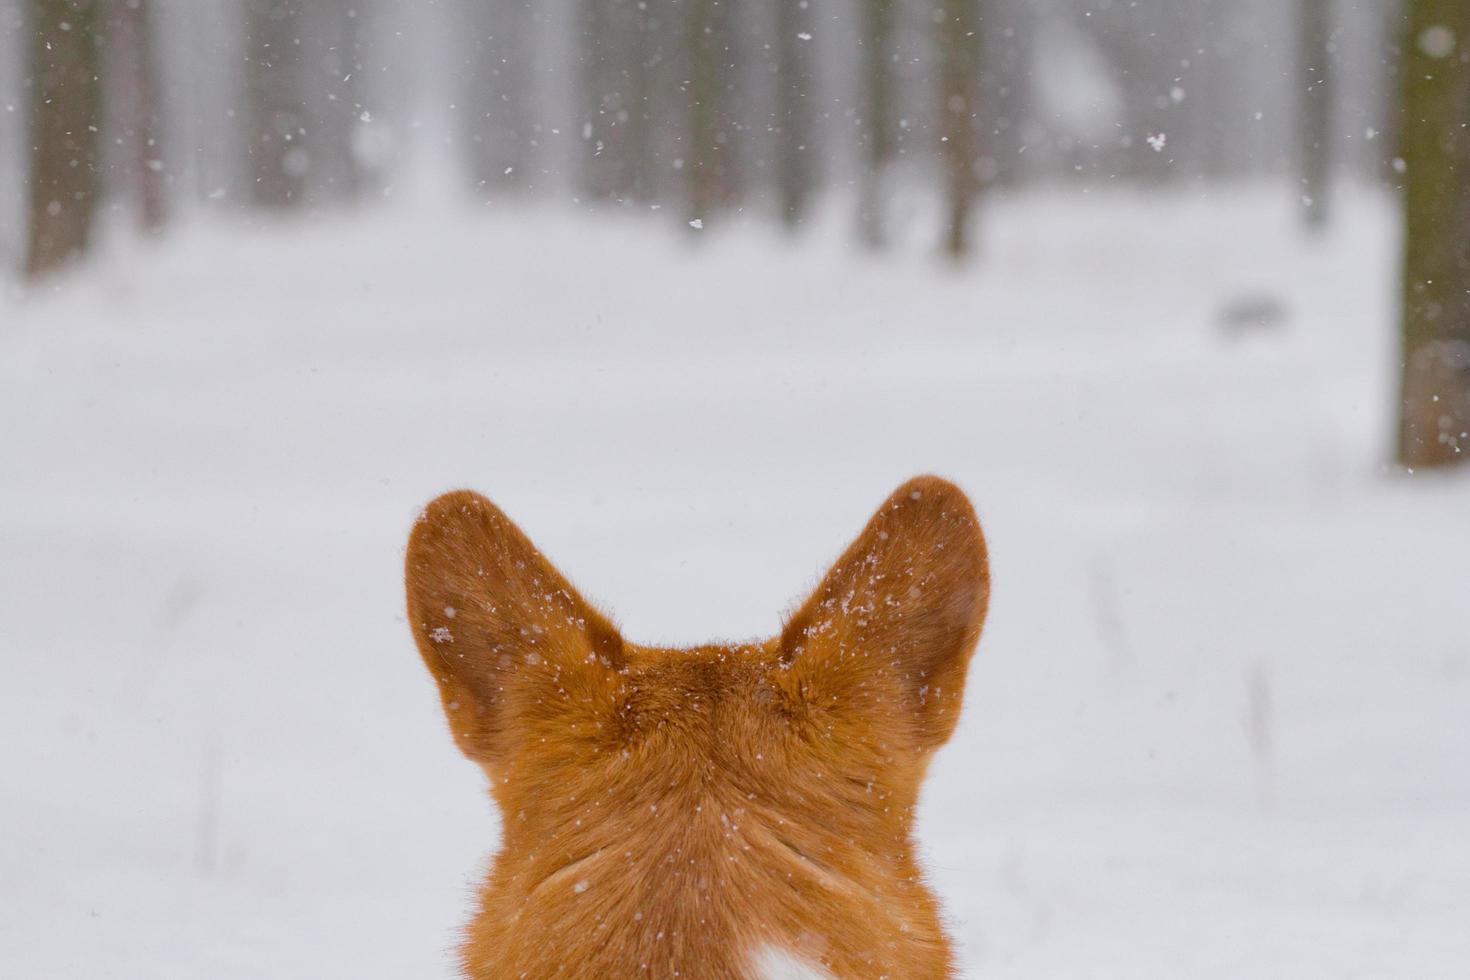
(1219, 722)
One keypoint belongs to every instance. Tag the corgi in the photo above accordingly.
(733, 811)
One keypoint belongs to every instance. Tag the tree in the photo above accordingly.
(1315, 98)
(618, 58)
(645, 55)
(1390, 86)
(714, 53)
(330, 42)
(65, 116)
(495, 98)
(276, 121)
(702, 161)
(1145, 43)
(1434, 421)
(958, 27)
(132, 46)
(795, 169)
(1009, 97)
(877, 119)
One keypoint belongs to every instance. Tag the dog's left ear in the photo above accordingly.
(900, 612)
(513, 646)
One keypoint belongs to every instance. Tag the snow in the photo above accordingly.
(1218, 727)
(778, 964)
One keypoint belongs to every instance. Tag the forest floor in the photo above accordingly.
(1218, 727)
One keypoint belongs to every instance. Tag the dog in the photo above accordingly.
(733, 811)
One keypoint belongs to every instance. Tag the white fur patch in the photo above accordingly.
(777, 964)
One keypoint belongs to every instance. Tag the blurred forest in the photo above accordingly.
(132, 111)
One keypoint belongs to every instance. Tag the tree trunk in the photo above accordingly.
(644, 58)
(732, 103)
(1008, 99)
(1314, 78)
(1390, 88)
(331, 65)
(877, 135)
(131, 45)
(702, 161)
(275, 107)
(1434, 423)
(495, 98)
(1144, 51)
(611, 81)
(958, 25)
(65, 118)
(794, 161)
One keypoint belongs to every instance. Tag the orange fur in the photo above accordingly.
(669, 812)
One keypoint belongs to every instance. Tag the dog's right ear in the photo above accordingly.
(893, 624)
(511, 643)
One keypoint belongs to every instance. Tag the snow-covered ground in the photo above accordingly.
(1219, 725)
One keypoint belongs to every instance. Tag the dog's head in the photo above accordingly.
(748, 774)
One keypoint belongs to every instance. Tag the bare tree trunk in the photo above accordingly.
(877, 134)
(331, 63)
(702, 161)
(644, 58)
(612, 70)
(957, 23)
(1314, 81)
(732, 106)
(131, 36)
(496, 97)
(65, 117)
(1144, 51)
(1434, 421)
(599, 125)
(1390, 93)
(665, 101)
(1213, 97)
(276, 112)
(794, 131)
(1007, 101)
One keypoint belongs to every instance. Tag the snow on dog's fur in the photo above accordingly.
(724, 811)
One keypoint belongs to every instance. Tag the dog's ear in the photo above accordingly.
(505, 635)
(899, 614)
